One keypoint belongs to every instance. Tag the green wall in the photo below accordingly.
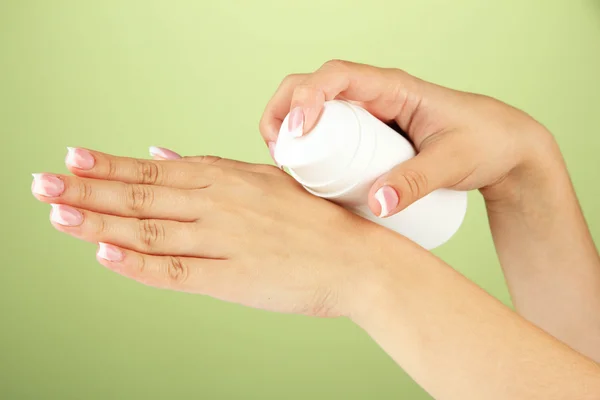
(194, 75)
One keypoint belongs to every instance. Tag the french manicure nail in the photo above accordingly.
(47, 185)
(388, 199)
(296, 122)
(163, 153)
(65, 215)
(272, 151)
(79, 158)
(109, 252)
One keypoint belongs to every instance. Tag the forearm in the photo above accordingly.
(547, 253)
(458, 342)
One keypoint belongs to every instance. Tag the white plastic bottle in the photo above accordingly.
(343, 155)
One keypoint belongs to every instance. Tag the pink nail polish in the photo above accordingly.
(388, 200)
(65, 215)
(272, 151)
(163, 153)
(47, 185)
(79, 158)
(109, 252)
(296, 122)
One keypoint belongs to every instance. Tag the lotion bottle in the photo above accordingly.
(343, 155)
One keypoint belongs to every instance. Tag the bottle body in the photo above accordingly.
(346, 152)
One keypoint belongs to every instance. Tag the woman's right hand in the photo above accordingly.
(467, 141)
(464, 141)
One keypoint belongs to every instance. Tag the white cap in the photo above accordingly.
(322, 155)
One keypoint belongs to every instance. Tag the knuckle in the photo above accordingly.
(416, 182)
(263, 124)
(397, 94)
(177, 270)
(113, 170)
(148, 172)
(140, 267)
(291, 79)
(85, 191)
(210, 160)
(102, 226)
(336, 64)
(303, 89)
(139, 197)
(151, 232)
(395, 73)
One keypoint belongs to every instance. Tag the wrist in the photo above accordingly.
(395, 271)
(535, 178)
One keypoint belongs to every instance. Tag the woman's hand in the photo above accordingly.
(468, 141)
(249, 234)
(239, 232)
(464, 141)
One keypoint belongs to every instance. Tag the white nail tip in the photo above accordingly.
(103, 251)
(70, 160)
(37, 184)
(55, 215)
(297, 132)
(379, 196)
(155, 151)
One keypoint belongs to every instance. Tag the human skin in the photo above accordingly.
(250, 234)
(468, 141)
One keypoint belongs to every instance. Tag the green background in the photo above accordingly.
(194, 76)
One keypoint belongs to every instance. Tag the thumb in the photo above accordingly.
(429, 170)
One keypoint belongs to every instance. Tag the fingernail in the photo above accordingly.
(65, 215)
(47, 185)
(109, 252)
(296, 122)
(388, 200)
(163, 153)
(272, 151)
(79, 158)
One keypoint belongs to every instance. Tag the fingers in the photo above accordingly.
(352, 81)
(279, 107)
(434, 168)
(226, 163)
(386, 93)
(170, 173)
(234, 164)
(118, 198)
(150, 236)
(186, 274)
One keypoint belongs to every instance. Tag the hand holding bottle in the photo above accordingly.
(464, 141)
(469, 141)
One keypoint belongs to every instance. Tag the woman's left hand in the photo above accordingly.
(239, 232)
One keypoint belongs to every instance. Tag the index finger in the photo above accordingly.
(278, 107)
(382, 91)
(172, 173)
